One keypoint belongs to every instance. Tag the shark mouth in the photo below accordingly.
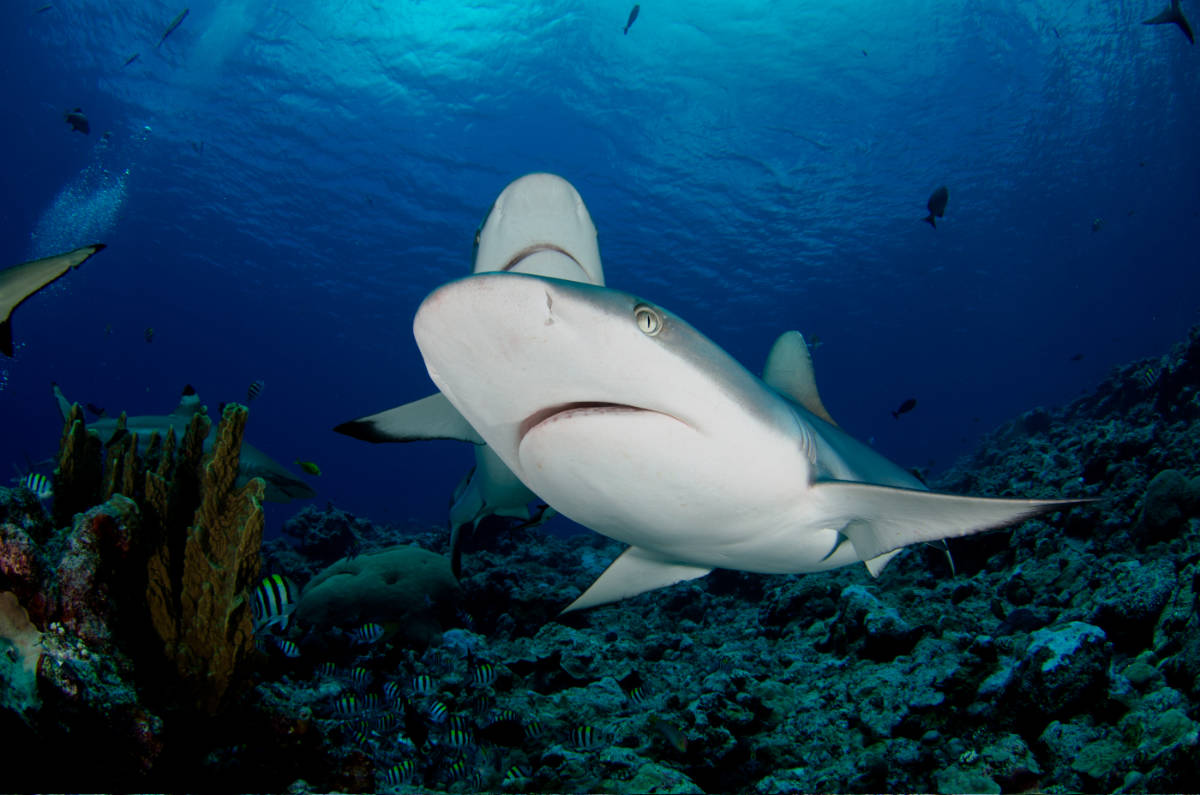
(529, 251)
(566, 410)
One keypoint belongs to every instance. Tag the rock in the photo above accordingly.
(1064, 670)
(1170, 500)
(1131, 600)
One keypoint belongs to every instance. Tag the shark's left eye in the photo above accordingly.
(649, 319)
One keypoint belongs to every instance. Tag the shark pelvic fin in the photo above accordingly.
(789, 371)
(880, 519)
(428, 418)
(635, 571)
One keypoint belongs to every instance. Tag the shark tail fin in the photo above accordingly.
(881, 519)
(1172, 15)
(929, 220)
(635, 571)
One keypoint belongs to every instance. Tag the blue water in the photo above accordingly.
(285, 181)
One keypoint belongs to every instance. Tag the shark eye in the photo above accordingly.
(649, 319)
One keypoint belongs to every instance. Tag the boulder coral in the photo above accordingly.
(405, 586)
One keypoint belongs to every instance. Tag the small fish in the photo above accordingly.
(274, 600)
(399, 774)
(905, 407)
(391, 691)
(149, 333)
(107, 329)
(637, 695)
(308, 468)
(288, 648)
(385, 723)
(1148, 375)
(254, 390)
(346, 705)
(461, 723)
(814, 342)
(586, 738)
(370, 701)
(92, 407)
(44, 9)
(633, 15)
(423, 684)
(327, 670)
(516, 774)
(131, 59)
(937, 205)
(671, 733)
(198, 147)
(176, 22)
(483, 675)
(533, 729)
(39, 484)
(1077, 357)
(456, 738)
(77, 120)
(360, 676)
(438, 712)
(1172, 15)
(1097, 224)
(367, 633)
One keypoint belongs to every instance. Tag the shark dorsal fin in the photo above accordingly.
(789, 371)
(189, 403)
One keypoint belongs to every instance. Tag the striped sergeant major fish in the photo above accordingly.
(39, 484)
(274, 601)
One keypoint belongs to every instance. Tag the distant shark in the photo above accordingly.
(1173, 15)
(21, 281)
(282, 485)
(629, 421)
(538, 225)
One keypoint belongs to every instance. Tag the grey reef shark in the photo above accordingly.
(282, 485)
(631, 422)
(21, 281)
(537, 225)
(1173, 15)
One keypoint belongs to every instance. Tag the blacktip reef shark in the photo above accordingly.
(1172, 15)
(282, 485)
(537, 225)
(21, 281)
(631, 422)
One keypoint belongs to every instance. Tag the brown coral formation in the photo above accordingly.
(203, 615)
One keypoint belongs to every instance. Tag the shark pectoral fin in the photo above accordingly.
(881, 519)
(21, 281)
(428, 418)
(635, 571)
(789, 371)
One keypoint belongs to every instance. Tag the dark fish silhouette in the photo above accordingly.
(632, 17)
(937, 205)
(905, 407)
(44, 9)
(1173, 15)
(97, 410)
(149, 333)
(77, 120)
(131, 59)
(21, 281)
(1077, 357)
(255, 389)
(176, 22)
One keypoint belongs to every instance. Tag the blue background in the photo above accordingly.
(285, 181)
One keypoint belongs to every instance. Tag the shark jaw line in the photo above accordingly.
(564, 411)
(529, 251)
